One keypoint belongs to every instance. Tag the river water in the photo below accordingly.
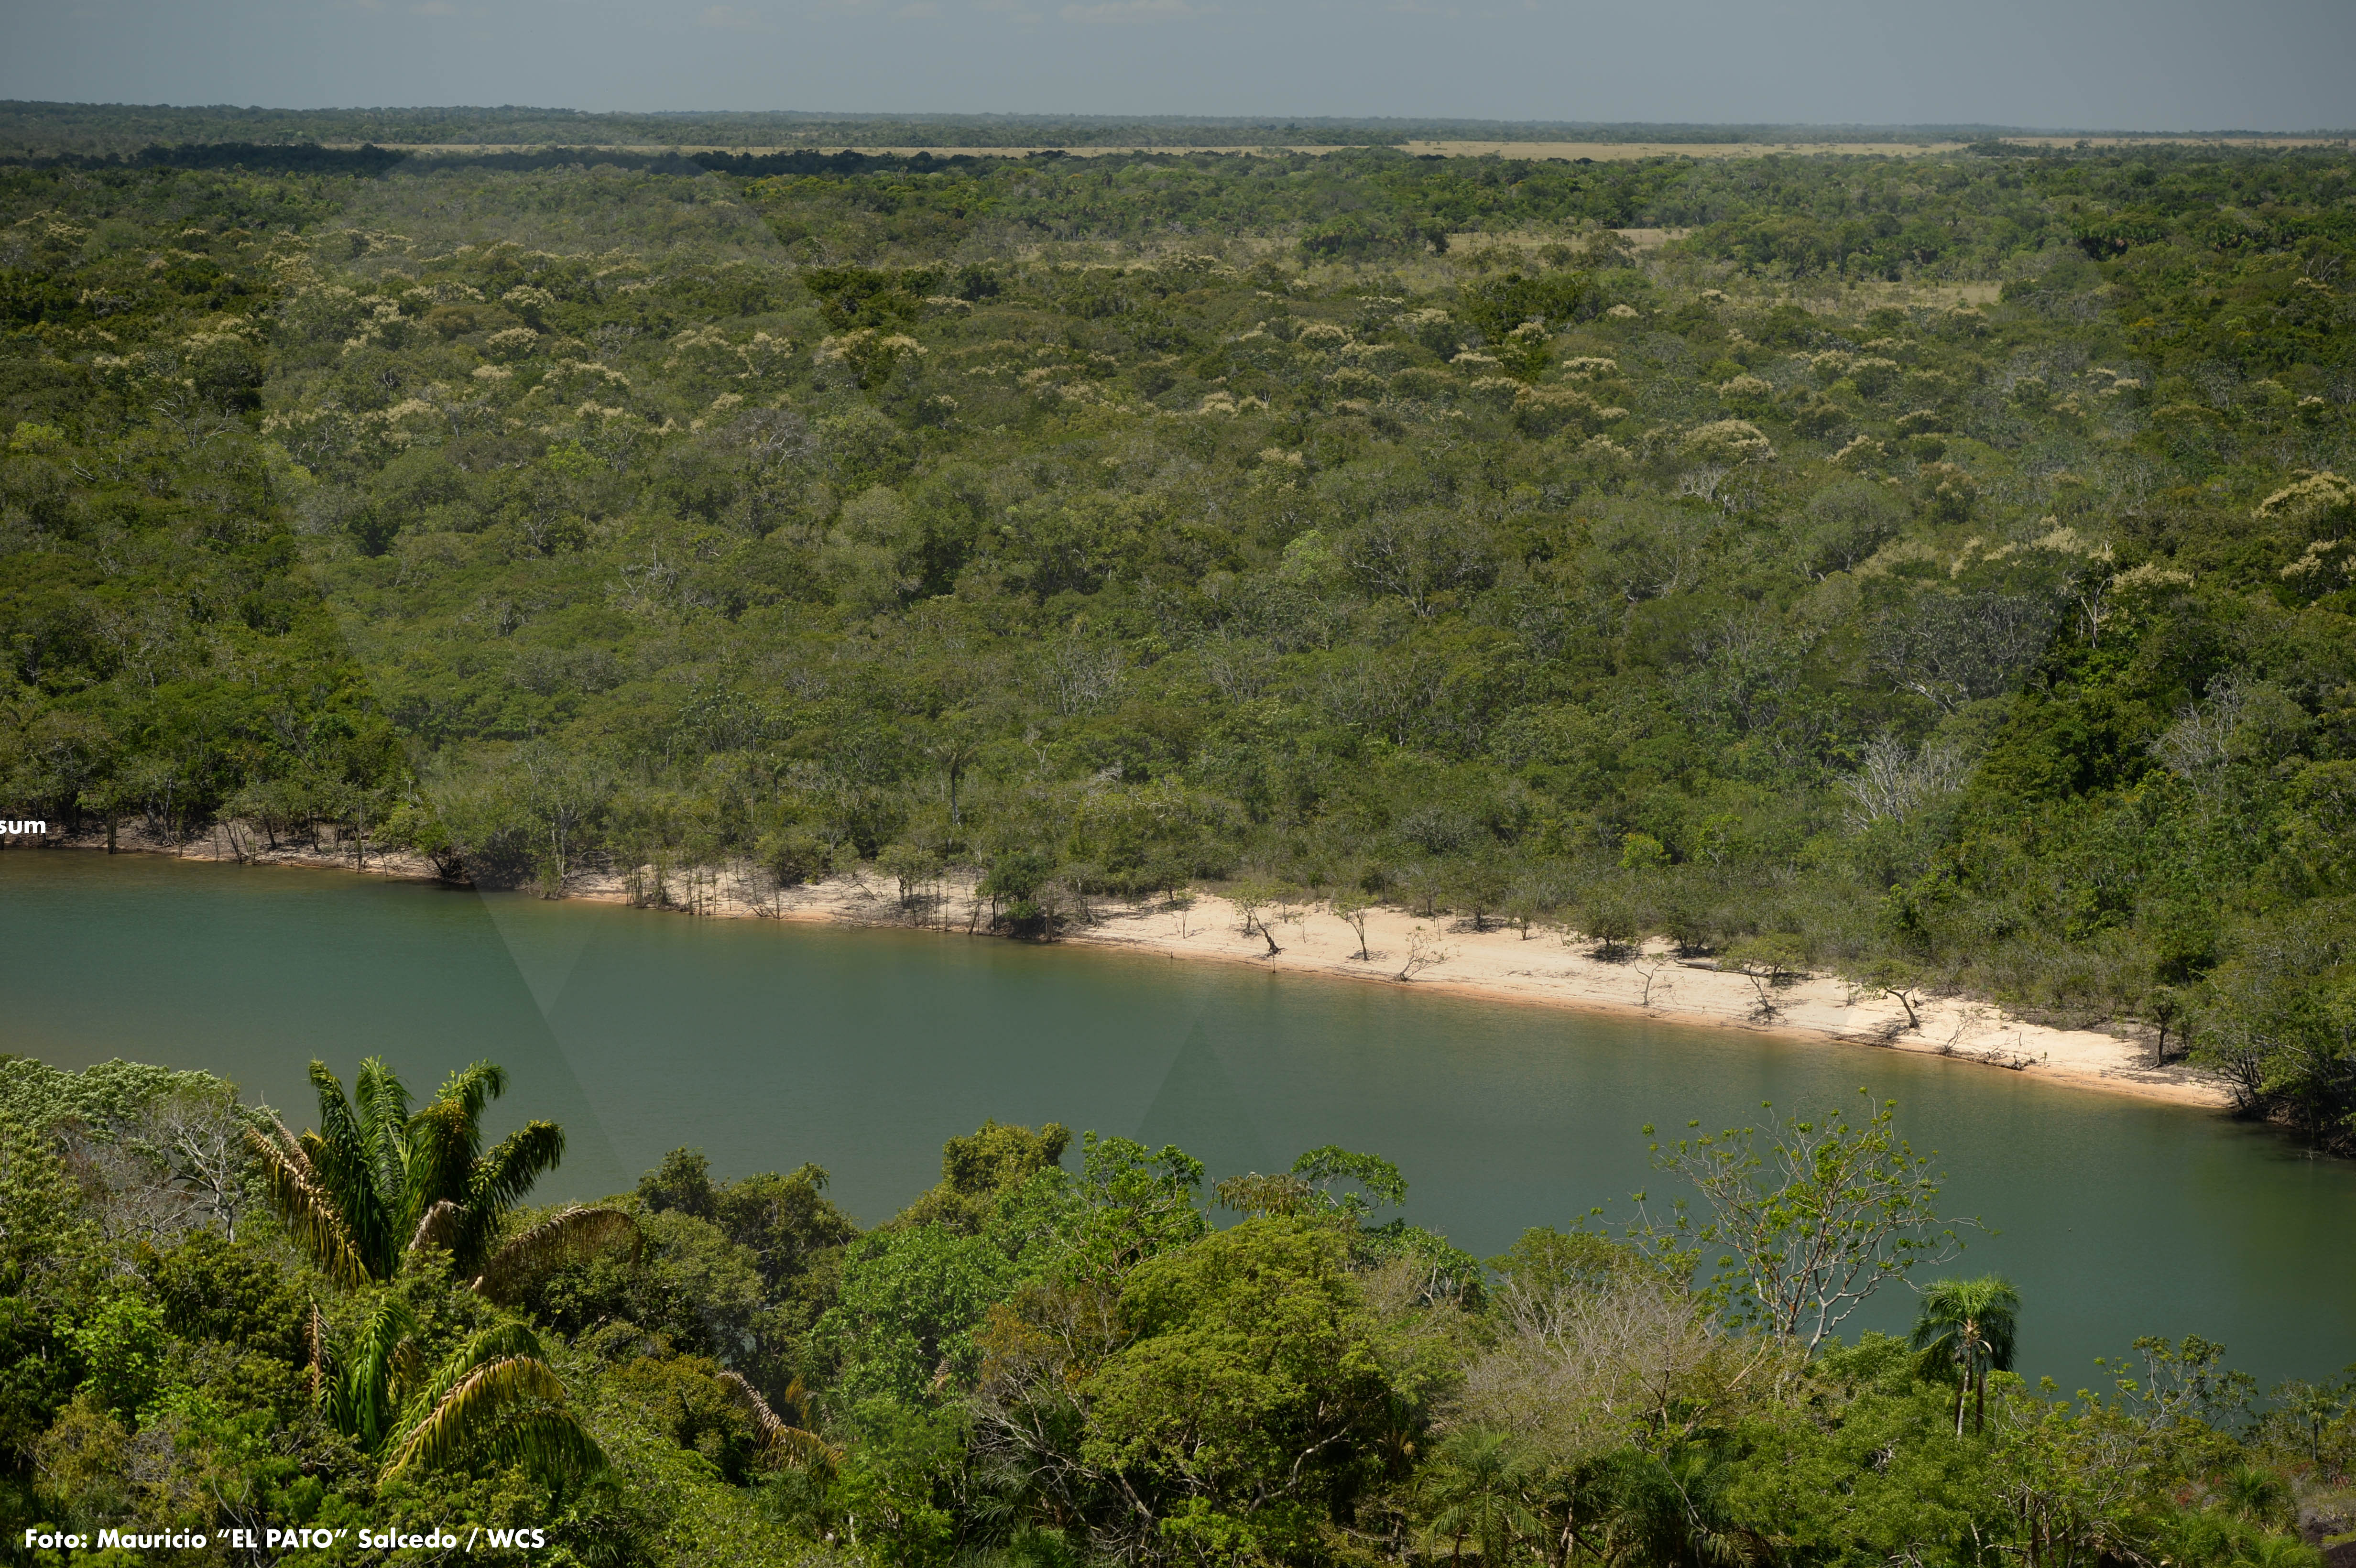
(767, 1045)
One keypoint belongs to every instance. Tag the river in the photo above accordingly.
(767, 1045)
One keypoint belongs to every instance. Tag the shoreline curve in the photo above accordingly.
(1497, 964)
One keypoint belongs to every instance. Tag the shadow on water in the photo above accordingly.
(862, 1051)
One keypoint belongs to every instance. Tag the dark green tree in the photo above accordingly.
(1968, 1327)
(379, 1181)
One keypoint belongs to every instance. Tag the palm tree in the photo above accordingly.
(2255, 1495)
(1672, 1508)
(1969, 1324)
(784, 1442)
(1476, 1492)
(494, 1398)
(379, 1181)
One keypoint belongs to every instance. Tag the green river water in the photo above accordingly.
(767, 1045)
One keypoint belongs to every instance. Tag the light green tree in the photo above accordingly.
(1807, 1226)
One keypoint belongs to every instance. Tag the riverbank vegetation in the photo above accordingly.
(1061, 1354)
(1934, 570)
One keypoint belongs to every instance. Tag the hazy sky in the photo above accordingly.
(2128, 64)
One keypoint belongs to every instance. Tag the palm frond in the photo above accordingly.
(797, 1400)
(341, 1136)
(500, 1342)
(323, 1367)
(439, 1228)
(382, 1102)
(465, 1415)
(504, 1176)
(564, 1237)
(546, 1443)
(342, 1167)
(474, 1088)
(363, 1393)
(334, 1107)
(308, 1210)
(443, 1142)
(296, 1149)
(784, 1443)
(440, 1173)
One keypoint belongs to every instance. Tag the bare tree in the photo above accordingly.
(1581, 1368)
(2237, 720)
(1956, 647)
(1423, 951)
(178, 1163)
(126, 1189)
(205, 1146)
(1081, 676)
(1415, 555)
(1894, 779)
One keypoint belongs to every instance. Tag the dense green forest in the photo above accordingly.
(1056, 1356)
(1931, 569)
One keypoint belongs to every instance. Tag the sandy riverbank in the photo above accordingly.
(1544, 968)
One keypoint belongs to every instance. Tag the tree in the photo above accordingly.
(1351, 910)
(1769, 963)
(1593, 1348)
(1423, 951)
(1379, 1182)
(997, 1157)
(1613, 922)
(202, 1134)
(1250, 896)
(1474, 1493)
(1969, 1324)
(1128, 1204)
(1308, 1190)
(911, 866)
(2305, 1414)
(1829, 1212)
(379, 1181)
(911, 1299)
(1249, 1399)
(953, 748)
(493, 1399)
(976, 1171)
(1901, 983)
(563, 795)
(1478, 889)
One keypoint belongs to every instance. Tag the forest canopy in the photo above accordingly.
(1066, 1351)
